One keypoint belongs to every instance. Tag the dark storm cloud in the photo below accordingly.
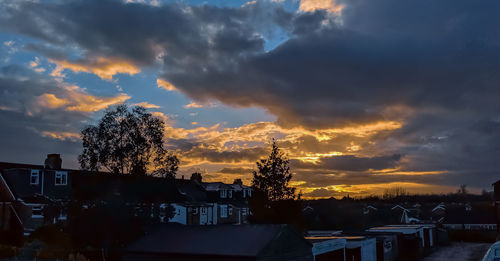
(350, 163)
(438, 59)
(353, 163)
(188, 35)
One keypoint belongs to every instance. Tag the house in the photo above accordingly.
(496, 186)
(327, 248)
(406, 215)
(36, 192)
(210, 203)
(438, 212)
(480, 216)
(221, 242)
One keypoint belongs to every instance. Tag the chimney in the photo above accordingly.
(238, 182)
(53, 161)
(196, 177)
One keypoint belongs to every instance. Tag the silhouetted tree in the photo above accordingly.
(127, 141)
(273, 200)
(394, 192)
(273, 176)
(462, 190)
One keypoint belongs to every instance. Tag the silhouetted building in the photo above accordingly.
(222, 242)
(34, 191)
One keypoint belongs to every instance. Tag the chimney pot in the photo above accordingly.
(53, 161)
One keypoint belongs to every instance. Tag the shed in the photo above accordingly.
(327, 248)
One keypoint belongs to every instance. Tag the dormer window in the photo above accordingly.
(223, 193)
(35, 177)
(61, 178)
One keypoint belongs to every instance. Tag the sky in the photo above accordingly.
(361, 95)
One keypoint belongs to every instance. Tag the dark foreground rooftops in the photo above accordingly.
(244, 241)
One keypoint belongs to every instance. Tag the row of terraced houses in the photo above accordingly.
(35, 195)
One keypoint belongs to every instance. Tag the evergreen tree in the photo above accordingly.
(273, 176)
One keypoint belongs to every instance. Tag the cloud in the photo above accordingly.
(424, 73)
(103, 67)
(313, 5)
(235, 170)
(353, 163)
(62, 135)
(147, 105)
(165, 85)
(198, 105)
(44, 115)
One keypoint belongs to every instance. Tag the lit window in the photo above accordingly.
(230, 211)
(244, 211)
(223, 193)
(223, 211)
(203, 210)
(61, 178)
(35, 177)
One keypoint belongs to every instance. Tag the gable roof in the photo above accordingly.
(192, 191)
(215, 186)
(220, 240)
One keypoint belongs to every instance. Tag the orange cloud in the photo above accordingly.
(313, 5)
(61, 135)
(49, 100)
(165, 85)
(147, 105)
(72, 98)
(103, 67)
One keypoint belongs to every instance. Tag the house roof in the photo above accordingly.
(215, 186)
(192, 191)
(220, 240)
(10, 165)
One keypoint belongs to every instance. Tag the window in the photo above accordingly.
(61, 178)
(37, 211)
(244, 211)
(230, 211)
(223, 211)
(244, 193)
(223, 193)
(195, 211)
(34, 177)
(230, 193)
(203, 211)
